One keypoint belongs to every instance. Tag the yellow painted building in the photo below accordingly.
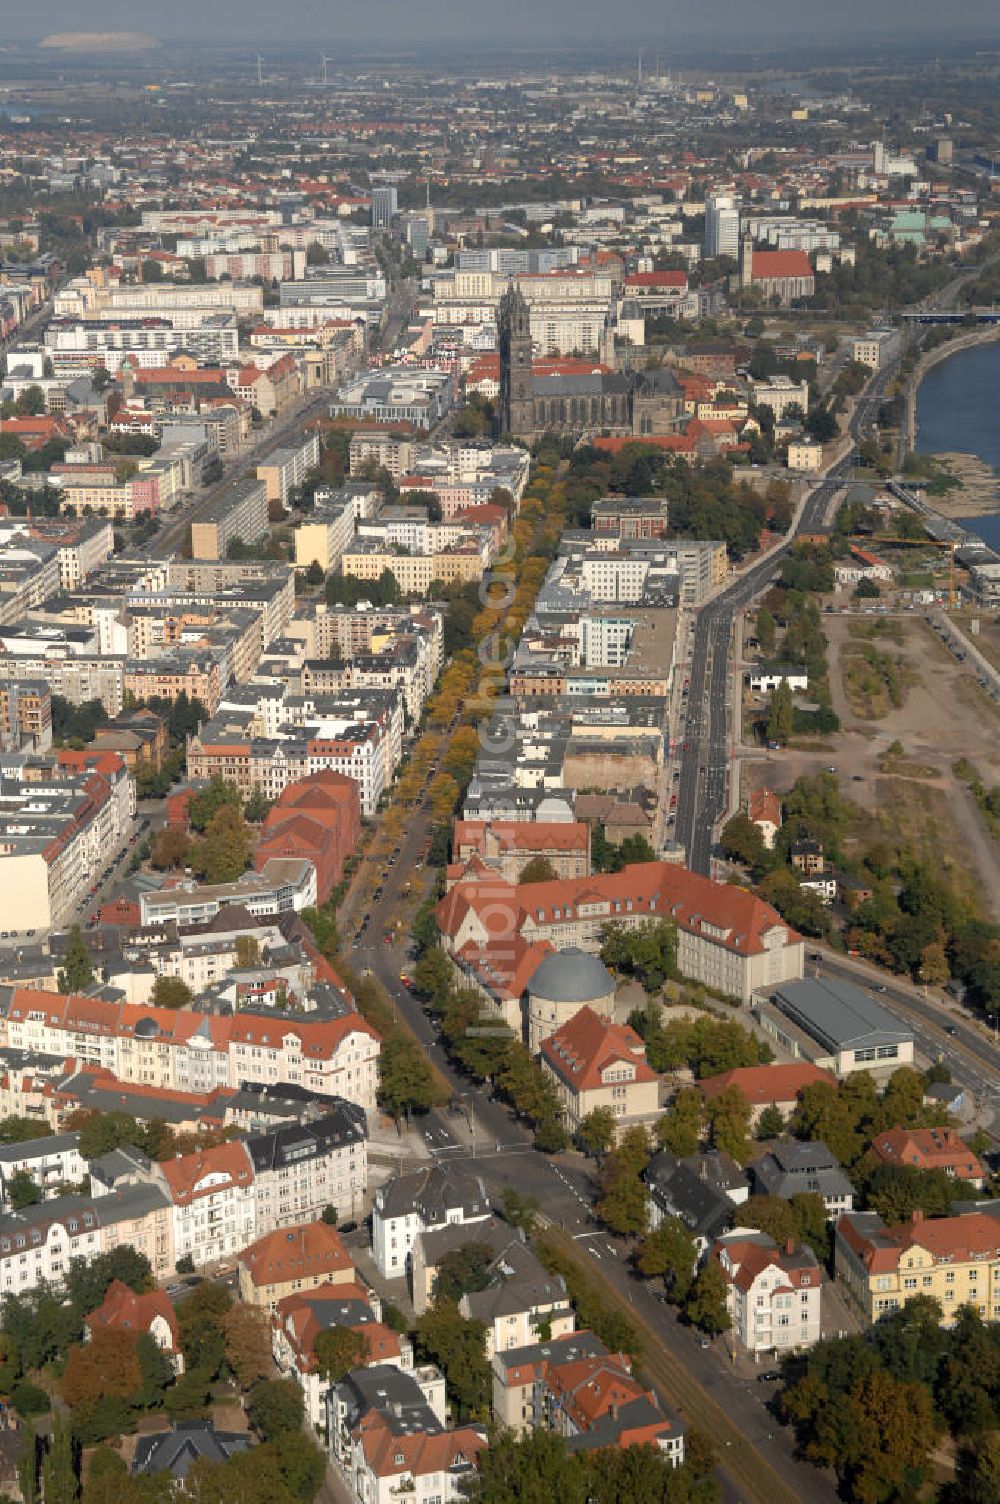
(955, 1260)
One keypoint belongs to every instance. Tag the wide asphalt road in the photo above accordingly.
(702, 794)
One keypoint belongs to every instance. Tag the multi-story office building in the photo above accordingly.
(722, 228)
(385, 205)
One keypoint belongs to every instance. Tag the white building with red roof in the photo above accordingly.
(597, 1063)
(774, 1295)
(390, 1461)
(727, 938)
(767, 1085)
(212, 1194)
(764, 811)
(181, 1050)
(151, 1314)
(299, 1320)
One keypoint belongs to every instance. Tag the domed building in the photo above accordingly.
(566, 981)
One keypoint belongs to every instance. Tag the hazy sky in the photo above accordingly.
(576, 22)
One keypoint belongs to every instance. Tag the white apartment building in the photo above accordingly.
(780, 393)
(185, 307)
(57, 835)
(37, 1244)
(805, 455)
(302, 1168)
(51, 1162)
(193, 1052)
(212, 1202)
(77, 347)
(413, 1204)
(774, 1297)
(878, 348)
(722, 227)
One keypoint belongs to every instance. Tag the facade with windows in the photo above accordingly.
(773, 1296)
(955, 1260)
(38, 1243)
(835, 1025)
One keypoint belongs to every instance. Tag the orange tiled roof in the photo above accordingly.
(769, 264)
(587, 1045)
(928, 1149)
(300, 1252)
(762, 1084)
(728, 915)
(124, 1310)
(208, 1171)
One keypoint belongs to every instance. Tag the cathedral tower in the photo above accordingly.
(517, 408)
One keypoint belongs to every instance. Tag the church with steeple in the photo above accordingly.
(579, 397)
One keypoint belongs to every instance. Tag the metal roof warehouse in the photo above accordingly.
(835, 1025)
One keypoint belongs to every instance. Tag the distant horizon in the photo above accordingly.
(771, 25)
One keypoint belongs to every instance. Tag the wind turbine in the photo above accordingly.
(324, 60)
(260, 71)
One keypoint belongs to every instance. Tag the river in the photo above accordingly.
(958, 408)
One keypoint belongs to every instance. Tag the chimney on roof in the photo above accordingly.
(789, 1245)
(917, 1214)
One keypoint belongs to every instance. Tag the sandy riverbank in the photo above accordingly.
(979, 493)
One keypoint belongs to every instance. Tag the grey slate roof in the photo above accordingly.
(396, 1395)
(793, 1167)
(678, 1190)
(433, 1192)
(292, 1142)
(571, 976)
(518, 1282)
(38, 1148)
(568, 1349)
(185, 1444)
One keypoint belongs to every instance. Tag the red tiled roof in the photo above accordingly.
(729, 916)
(615, 443)
(928, 1149)
(750, 1258)
(770, 264)
(953, 1239)
(523, 835)
(123, 1309)
(225, 1166)
(418, 1453)
(505, 969)
(587, 1045)
(764, 806)
(763, 1084)
(301, 1252)
(657, 279)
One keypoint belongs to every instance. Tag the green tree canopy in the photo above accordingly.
(77, 972)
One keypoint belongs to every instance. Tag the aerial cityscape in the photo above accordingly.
(499, 754)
